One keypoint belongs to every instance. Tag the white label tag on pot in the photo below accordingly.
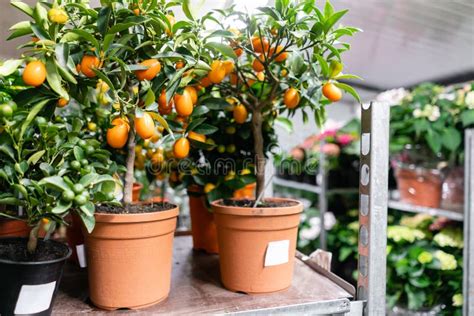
(81, 256)
(35, 298)
(277, 253)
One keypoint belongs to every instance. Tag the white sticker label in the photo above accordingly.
(81, 256)
(35, 298)
(277, 253)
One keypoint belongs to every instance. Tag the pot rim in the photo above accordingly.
(35, 263)
(137, 217)
(258, 211)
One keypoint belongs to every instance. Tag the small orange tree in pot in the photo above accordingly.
(288, 59)
(118, 62)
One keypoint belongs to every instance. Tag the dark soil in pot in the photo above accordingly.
(250, 203)
(138, 208)
(29, 282)
(14, 249)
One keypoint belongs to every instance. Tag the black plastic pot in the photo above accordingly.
(29, 288)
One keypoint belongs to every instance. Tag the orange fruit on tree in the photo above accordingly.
(238, 51)
(260, 45)
(279, 53)
(154, 68)
(164, 107)
(62, 102)
(228, 66)
(260, 76)
(217, 73)
(34, 73)
(197, 137)
(172, 21)
(284, 73)
(179, 64)
(136, 11)
(206, 82)
(145, 126)
(181, 148)
(117, 135)
(332, 92)
(193, 93)
(258, 63)
(183, 104)
(291, 98)
(88, 63)
(234, 79)
(240, 114)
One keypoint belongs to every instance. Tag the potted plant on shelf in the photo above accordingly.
(427, 130)
(287, 58)
(116, 60)
(48, 171)
(221, 164)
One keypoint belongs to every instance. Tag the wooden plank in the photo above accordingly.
(196, 289)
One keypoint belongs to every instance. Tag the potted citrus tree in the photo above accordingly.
(48, 171)
(130, 57)
(287, 59)
(221, 164)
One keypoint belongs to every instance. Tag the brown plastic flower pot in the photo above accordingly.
(13, 228)
(257, 245)
(419, 186)
(129, 258)
(136, 190)
(203, 227)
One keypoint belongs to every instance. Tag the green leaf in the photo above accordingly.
(88, 209)
(467, 118)
(54, 79)
(328, 9)
(206, 129)
(324, 65)
(23, 7)
(31, 116)
(285, 123)
(349, 90)
(347, 76)
(10, 66)
(434, 140)
(200, 111)
(187, 10)
(150, 97)
(89, 179)
(224, 49)
(78, 153)
(55, 182)
(7, 150)
(89, 221)
(36, 157)
(329, 23)
(105, 78)
(88, 37)
(61, 207)
(451, 138)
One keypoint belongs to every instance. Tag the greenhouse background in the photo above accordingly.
(416, 61)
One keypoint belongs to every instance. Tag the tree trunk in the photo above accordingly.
(257, 122)
(33, 238)
(129, 176)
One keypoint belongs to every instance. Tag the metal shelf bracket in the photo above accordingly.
(373, 190)
(468, 256)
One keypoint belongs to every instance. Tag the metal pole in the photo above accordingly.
(373, 190)
(468, 256)
(321, 180)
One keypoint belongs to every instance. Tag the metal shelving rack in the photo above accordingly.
(374, 203)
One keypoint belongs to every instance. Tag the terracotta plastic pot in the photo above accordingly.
(13, 228)
(203, 227)
(419, 186)
(137, 188)
(257, 245)
(129, 259)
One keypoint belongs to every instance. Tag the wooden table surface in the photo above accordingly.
(196, 289)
